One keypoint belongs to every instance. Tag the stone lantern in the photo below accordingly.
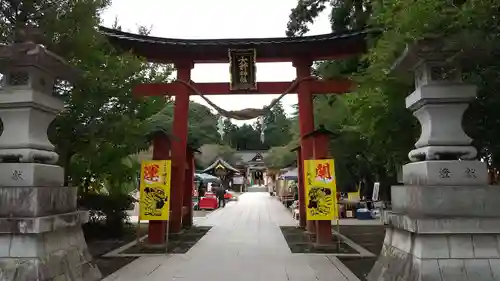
(445, 219)
(40, 226)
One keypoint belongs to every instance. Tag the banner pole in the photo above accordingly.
(169, 212)
(139, 205)
(138, 229)
(166, 236)
(338, 225)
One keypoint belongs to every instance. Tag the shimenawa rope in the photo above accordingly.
(247, 113)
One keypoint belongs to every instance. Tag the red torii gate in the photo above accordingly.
(184, 53)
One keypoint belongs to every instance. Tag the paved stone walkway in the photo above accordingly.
(245, 244)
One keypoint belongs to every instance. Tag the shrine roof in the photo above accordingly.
(167, 50)
(246, 156)
(221, 162)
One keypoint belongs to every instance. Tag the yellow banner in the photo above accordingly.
(155, 190)
(321, 189)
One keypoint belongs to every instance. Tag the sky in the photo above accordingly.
(203, 19)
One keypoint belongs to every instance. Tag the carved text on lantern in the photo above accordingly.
(444, 173)
(470, 173)
(17, 175)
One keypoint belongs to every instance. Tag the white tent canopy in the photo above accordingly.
(290, 175)
(207, 177)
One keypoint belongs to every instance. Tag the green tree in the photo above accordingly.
(202, 123)
(280, 157)
(344, 15)
(335, 112)
(245, 137)
(54, 18)
(102, 123)
(361, 120)
(210, 152)
(248, 138)
(468, 24)
(105, 123)
(230, 133)
(378, 126)
(277, 127)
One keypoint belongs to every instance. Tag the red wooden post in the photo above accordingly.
(321, 151)
(161, 151)
(187, 219)
(306, 125)
(179, 147)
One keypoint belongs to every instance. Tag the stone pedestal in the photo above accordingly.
(445, 221)
(40, 226)
(442, 232)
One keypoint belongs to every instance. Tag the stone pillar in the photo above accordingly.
(445, 221)
(40, 227)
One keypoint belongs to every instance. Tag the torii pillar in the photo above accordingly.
(321, 141)
(187, 209)
(306, 126)
(161, 151)
(179, 147)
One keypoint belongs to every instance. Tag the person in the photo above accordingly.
(295, 189)
(270, 187)
(366, 188)
(201, 190)
(220, 192)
